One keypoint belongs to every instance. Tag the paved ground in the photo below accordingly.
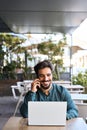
(7, 107)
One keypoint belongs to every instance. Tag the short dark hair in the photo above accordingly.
(42, 65)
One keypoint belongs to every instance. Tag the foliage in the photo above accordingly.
(1, 57)
(9, 70)
(80, 78)
(10, 45)
(55, 53)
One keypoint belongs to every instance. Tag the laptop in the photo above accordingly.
(47, 113)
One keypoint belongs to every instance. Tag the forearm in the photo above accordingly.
(72, 113)
(31, 96)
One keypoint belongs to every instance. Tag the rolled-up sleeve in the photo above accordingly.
(72, 111)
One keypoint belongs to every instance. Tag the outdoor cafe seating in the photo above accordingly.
(75, 91)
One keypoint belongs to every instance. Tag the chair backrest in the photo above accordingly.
(82, 109)
(20, 87)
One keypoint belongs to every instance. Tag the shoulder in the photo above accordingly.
(61, 89)
(58, 86)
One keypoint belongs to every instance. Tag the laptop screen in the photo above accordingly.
(47, 113)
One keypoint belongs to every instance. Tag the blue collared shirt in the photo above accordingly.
(56, 93)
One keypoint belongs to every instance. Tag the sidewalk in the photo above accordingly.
(7, 107)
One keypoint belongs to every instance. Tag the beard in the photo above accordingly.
(45, 87)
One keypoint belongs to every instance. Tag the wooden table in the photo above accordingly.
(19, 123)
(79, 97)
(62, 82)
(75, 88)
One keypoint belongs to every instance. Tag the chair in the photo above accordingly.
(13, 87)
(82, 109)
(23, 89)
(17, 87)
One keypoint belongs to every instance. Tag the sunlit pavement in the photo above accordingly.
(7, 107)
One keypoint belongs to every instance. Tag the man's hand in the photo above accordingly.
(35, 85)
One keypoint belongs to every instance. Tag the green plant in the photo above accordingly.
(80, 79)
(55, 54)
(9, 70)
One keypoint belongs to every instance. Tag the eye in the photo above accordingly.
(48, 75)
(41, 76)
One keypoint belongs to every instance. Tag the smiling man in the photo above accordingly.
(42, 89)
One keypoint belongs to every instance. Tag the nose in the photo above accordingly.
(45, 78)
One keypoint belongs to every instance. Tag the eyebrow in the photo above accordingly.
(45, 74)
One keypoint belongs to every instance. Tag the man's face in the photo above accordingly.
(45, 77)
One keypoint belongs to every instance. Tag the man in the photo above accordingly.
(42, 89)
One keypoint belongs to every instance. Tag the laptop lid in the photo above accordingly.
(47, 113)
